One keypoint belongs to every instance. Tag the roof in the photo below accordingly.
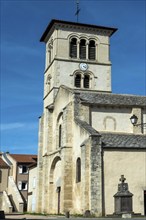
(3, 164)
(105, 98)
(111, 99)
(87, 127)
(24, 158)
(118, 141)
(69, 23)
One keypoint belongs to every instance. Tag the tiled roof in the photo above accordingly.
(24, 158)
(112, 99)
(114, 140)
(3, 163)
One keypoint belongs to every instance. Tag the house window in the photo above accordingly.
(73, 48)
(23, 169)
(78, 80)
(60, 133)
(78, 170)
(83, 49)
(86, 81)
(22, 185)
(91, 50)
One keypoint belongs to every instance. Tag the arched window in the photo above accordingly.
(49, 56)
(60, 134)
(86, 81)
(91, 54)
(78, 80)
(73, 48)
(78, 170)
(83, 49)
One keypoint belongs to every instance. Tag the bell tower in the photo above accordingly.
(77, 56)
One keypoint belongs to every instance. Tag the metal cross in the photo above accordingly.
(122, 179)
(78, 10)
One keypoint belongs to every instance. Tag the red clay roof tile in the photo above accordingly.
(24, 158)
(3, 164)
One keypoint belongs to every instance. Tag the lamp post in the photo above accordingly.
(134, 120)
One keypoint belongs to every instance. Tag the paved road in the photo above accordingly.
(31, 217)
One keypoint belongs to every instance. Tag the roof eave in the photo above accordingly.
(53, 21)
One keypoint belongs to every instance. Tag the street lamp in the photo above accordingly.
(134, 120)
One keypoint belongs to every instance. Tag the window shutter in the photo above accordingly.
(20, 185)
(20, 169)
(26, 186)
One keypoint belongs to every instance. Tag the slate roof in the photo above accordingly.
(24, 158)
(69, 23)
(112, 99)
(3, 163)
(114, 140)
(87, 127)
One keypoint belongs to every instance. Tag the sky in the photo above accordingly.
(22, 58)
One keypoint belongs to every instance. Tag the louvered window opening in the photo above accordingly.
(73, 48)
(78, 81)
(91, 54)
(82, 49)
(86, 81)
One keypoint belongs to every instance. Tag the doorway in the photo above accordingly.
(58, 206)
(144, 202)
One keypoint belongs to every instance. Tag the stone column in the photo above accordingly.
(85, 158)
(66, 187)
(96, 176)
(66, 157)
(40, 166)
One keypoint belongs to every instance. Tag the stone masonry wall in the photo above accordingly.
(40, 167)
(96, 176)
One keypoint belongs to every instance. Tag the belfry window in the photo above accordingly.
(83, 49)
(78, 170)
(78, 80)
(86, 81)
(73, 48)
(91, 50)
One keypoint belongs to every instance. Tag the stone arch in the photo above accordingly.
(54, 162)
(55, 186)
(109, 123)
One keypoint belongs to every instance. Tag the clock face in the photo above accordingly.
(83, 66)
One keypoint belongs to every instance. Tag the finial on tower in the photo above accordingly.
(78, 10)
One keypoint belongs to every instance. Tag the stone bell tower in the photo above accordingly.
(77, 56)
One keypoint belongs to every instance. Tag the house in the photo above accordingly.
(17, 189)
(86, 138)
(4, 174)
(32, 188)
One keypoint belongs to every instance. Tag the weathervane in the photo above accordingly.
(78, 10)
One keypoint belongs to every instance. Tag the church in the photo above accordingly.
(86, 138)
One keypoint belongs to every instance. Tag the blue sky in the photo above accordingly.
(23, 58)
